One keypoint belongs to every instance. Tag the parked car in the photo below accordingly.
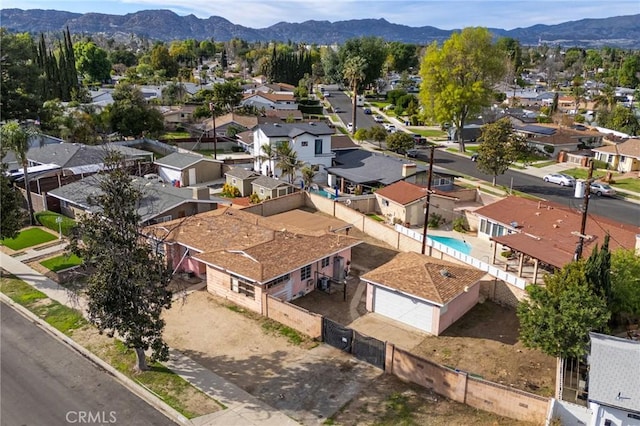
(413, 153)
(474, 157)
(327, 94)
(367, 111)
(378, 118)
(600, 188)
(349, 127)
(560, 179)
(337, 110)
(390, 128)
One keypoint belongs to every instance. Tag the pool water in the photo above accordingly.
(454, 243)
(324, 193)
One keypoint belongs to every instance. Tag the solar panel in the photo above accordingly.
(541, 130)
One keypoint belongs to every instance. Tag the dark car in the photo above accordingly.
(474, 157)
(367, 111)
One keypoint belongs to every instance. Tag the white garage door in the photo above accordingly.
(406, 309)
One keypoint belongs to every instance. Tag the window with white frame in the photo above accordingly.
(318, 146)
(233, 181)
(304, 143)
(242, 286)
(305, 272)
(278, 281)
(325, 262)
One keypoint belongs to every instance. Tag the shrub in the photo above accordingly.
(48, 220)
(254, 198)
(549, 149)
(599, 164)
(230, 191)
(435, 220)
(459, 224)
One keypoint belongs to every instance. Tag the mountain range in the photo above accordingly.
(165, 25)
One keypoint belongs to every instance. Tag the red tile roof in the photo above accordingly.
(402, 192)
(545, 230)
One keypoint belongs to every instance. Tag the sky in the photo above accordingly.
(451, 14)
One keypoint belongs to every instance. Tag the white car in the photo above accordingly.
(378, 118)
(600, 188)
(349, 127)
(390, 127)
(560, 179)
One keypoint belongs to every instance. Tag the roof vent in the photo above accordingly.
(445, 273)
(514, 224)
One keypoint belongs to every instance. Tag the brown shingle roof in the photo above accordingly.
(342, 142)
(426, 277)
(629, 148)
(285, 253)
(545, 229)
(402, 192)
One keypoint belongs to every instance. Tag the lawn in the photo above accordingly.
(48, 220)
(630, 184)
(429, 133)
(28, 238)
(60, 263)
(175, 135)
(582, 173)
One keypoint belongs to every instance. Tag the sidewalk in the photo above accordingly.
(241, 409)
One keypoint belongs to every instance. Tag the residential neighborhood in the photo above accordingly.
(251, 232)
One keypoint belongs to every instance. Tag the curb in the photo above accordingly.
(149, 398)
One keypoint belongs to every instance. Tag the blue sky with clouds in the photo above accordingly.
(441, 14)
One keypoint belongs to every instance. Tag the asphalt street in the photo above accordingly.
(612, 208)
(44, 382)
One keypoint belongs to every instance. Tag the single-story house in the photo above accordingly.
(402, 202)
(262, 100)
(159, 202)
(176, 116)
(181, 169)
(242, 179)
(422, 292)
(613, 381)
(228, 121)
(623, 157)
(370, 171)
(267, 187)
(552, 139)
(545, 232)
(243, 256)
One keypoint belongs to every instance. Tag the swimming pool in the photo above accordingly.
(454, 243)
(324, 193)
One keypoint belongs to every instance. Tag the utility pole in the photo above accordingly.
(426, 209)
(585, 207)
(215, 136)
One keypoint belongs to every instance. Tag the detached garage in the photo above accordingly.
(422, 292)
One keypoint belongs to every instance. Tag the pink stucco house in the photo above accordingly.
(421, 291)
(243, 256)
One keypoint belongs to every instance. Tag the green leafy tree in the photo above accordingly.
(354, 73)
(127, 287)
(92, 62)
(21, 82)
(629, 74)
(598, 271)
(378, 134)
(458, 78)
(557, 317)
(625, 283)
(400, 142)
(372, 50)
(162, 60)
(11, 212)
(17, 139)
(227, 96)
(499, 147)
(130, 115)
(402, 56)
(361, 135)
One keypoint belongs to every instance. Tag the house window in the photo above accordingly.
(280, 280)
(239, 285)
(233, 181)
(261, 191)
(63, 204)
(622, 158)
(318, 148)
(633, 416)
(385, 203)
(304, 143)
(305, 272)
(497, 230)
(325, 262)
(484, 225)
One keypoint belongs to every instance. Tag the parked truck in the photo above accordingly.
(360, 100)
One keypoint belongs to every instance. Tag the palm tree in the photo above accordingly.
(267, 153)
(288, 161)
(308, 173)
(606, 98)
(16, 138)
(353, 72)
